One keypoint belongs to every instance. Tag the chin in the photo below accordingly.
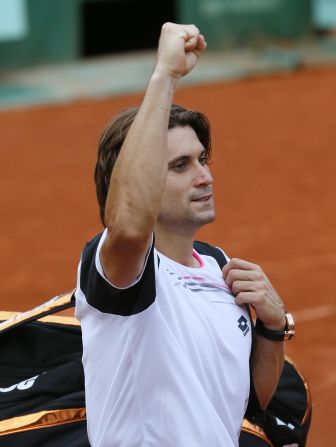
(207, 218)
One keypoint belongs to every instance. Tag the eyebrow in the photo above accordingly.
(172, 162)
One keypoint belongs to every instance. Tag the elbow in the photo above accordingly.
(264, 401)
(264, 393)
(126, 239)
(130, 225)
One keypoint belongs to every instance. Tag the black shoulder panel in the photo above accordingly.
(103, 296)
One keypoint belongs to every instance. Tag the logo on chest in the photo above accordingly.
(243, 326)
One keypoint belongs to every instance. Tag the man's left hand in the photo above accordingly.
(250, 285)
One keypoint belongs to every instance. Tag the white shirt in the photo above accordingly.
(171, 367)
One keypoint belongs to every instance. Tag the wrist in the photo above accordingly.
(162, 74)
(160, 91)
(278, 325)
(286, 333)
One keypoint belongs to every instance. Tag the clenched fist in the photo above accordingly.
(180, 47)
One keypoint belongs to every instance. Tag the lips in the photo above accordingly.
(203, 198)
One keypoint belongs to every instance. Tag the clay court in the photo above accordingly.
(274, 163)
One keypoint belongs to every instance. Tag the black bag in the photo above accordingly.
(287, 418)
(42, 399)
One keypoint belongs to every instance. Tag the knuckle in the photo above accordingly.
(255, 267)
(263, 297)
(259, 276)
(196, 29)
(235, 287)
(260, 285)
(230, 277)
(234, 262)
(238, 299)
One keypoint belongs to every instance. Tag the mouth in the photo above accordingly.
(205, 198)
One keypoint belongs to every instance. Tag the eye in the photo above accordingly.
(203, 160)
(180, 165)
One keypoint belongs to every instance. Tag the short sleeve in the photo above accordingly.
(105, 297)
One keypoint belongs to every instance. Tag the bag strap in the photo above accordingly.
(56, 304)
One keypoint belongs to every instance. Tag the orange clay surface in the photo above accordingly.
(274, 165)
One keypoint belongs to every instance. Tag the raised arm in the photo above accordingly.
(251, 286)
(140, 171)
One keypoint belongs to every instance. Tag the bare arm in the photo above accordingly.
(251, 286)
(139, 174)
(267, 365)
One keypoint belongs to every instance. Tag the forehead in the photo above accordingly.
(183, 141)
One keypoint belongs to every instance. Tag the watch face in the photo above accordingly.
(289, 335)
(289, 331)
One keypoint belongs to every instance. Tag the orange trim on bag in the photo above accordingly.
(42, 419)
(255, 430)
(55, 302)
(4, 315)
(309, 396)
(60, 320)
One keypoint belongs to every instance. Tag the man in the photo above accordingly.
(166, 335)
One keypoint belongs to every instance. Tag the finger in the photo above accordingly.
(185, 32)
(239, 264)
(192, 36)
(196, 42)
(246, 298)
(200, 46)
(201, 43)
(189, 30)
(191, 43)
(243, 275)
(245, 286)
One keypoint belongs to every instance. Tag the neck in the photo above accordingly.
(177, 247)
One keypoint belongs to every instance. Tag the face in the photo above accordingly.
(187, 202)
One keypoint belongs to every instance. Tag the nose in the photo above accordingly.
(203, 176)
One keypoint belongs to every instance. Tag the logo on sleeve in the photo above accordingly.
(243, 326)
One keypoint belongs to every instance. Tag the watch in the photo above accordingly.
(288, 333)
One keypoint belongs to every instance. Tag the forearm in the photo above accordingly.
(267, 365)
(139, 174)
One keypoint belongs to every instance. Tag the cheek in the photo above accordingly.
(170, 197)
(178, 184)
(174, 198)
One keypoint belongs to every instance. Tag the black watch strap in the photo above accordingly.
(288, 333)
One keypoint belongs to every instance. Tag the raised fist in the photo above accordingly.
(180, 47)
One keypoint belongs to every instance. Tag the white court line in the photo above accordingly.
(314, 313)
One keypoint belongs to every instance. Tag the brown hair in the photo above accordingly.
(115, 133)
